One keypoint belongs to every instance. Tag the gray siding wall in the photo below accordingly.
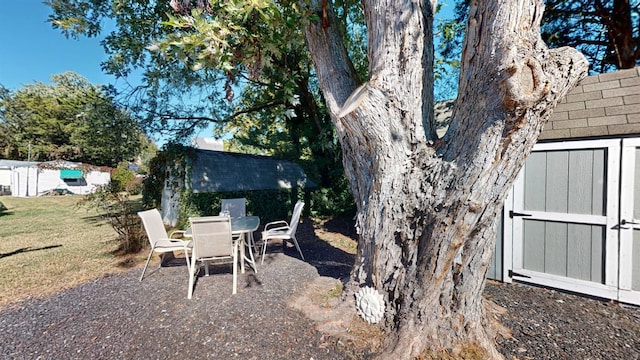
(566, 181)
(570, 182)
(562, 181)
(570, 250)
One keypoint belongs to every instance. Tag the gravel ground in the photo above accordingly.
(118, 317)
(548, 324)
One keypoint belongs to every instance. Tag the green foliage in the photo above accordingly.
(80, 18)
(333, 201)
(134, 187)
(449, 33)
(269, 205)
(171, 157)
(153, 183)
(70, 120)
(221, 34)
(147, 152)
(606, 32)
(120, 211)
(122, 176)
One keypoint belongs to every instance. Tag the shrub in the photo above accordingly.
(120, 211)
(2, 207)
(333, 201)
(122, 176)
(270, 205)
(134, 187)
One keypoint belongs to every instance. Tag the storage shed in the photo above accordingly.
(210, 171)
(572, 220)
(24, 178)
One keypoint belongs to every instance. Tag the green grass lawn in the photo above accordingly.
(48, 244)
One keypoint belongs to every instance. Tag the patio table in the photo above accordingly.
(245, 226)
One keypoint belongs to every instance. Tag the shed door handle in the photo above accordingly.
(513, 214)
(632, 222)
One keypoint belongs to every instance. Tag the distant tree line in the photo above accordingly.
(71, 120)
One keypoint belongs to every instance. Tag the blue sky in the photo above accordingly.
(31, 50)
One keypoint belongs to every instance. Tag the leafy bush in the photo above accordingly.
(333, 201)
(134, 187)
(269, 205)
(122, 176)
(153, 183)
(120, 211)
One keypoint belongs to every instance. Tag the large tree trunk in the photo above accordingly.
(427, 207)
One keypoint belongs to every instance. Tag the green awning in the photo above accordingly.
(70, 174)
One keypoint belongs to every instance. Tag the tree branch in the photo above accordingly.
(336, 73)
(255, 109)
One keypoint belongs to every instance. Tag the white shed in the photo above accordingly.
(18, 178)
(23, 179)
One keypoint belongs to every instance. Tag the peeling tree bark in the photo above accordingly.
(427, 207)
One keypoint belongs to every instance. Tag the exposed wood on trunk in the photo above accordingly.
(427, 207)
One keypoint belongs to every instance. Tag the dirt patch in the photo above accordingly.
(321, 301)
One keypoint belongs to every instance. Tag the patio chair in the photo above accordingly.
(159, 240)
(283, 230)
(211, 241)
(234, 207)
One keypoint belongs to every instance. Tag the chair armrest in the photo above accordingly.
(277, 230)
(187, 244)
(182, 233)
(283, 225)
(174, 232)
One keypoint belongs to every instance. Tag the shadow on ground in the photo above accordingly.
(27, 249)
(342, 225)
(328, 259)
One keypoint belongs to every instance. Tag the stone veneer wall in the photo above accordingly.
(601, 105)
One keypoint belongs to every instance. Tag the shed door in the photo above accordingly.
(564, 216)
(630, 222)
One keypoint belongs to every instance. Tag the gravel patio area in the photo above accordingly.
(118, 317)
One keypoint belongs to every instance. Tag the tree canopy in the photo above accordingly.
(70, 119)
